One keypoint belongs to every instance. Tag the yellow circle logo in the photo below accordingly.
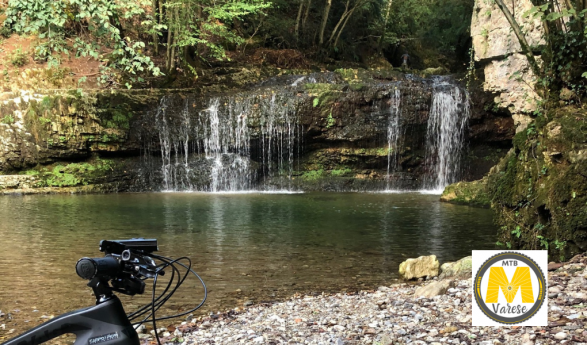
(509, 288)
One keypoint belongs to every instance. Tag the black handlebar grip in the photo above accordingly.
(88, 268)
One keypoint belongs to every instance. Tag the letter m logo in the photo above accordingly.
(521, 280)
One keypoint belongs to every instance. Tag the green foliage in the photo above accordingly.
(559, 245)
(340, 172)
(312, 175)
(8, 119)
(566, 48)
(517, 232)
(543, 241)
(18, 58)
(98, 22)
(316, 102)
(73, 174)
(206, 25)
(330, 121)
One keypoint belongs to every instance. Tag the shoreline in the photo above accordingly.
(390, 315)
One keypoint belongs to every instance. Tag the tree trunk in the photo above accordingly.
(382, 38)
(521, 38)
(169, 39)
(175, 34)
(156, 20)
(340, 21)
(343, 26)
(298, 19)
(324, 21)
(307, 14)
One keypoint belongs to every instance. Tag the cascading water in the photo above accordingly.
(250, 141)
(447, 121)
(393, 134)
(215, 150)
(226, 145)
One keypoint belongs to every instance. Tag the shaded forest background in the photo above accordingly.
(128, 42)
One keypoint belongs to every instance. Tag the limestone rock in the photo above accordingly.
(460, 269)
(424, 266)
(435, 288)
(492, 34)
(505, 77)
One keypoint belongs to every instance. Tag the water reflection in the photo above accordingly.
(265, 245)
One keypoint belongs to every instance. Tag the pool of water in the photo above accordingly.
(251, 246)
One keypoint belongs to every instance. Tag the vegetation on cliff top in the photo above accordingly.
(129, 43)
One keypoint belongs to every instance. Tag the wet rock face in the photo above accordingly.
(42, 129)
(319, 131)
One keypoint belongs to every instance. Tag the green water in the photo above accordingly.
(267, 245)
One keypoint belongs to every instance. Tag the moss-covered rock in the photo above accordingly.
(45, 128)
(467, 193)
(539, 190)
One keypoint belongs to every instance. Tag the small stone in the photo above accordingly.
(554, 289)
(449, 329)
(560, 335)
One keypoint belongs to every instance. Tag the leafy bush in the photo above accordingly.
(18, 58)
(90, 24)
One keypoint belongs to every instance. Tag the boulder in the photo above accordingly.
(470, 193)
(460, 269)
(424, 266)
(434, 289)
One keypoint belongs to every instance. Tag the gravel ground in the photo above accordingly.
(392, 315)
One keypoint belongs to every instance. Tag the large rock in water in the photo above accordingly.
(460, 269)
(467, 193)
(424, 266)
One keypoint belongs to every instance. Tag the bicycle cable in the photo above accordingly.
(158, 301)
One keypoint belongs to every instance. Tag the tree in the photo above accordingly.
(324, 21)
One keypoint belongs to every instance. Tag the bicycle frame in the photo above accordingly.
(105, 323)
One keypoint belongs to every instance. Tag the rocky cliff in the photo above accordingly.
(498, 52)
(326, 131)
(539, 190)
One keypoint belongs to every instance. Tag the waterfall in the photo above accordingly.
(226, 146)
(393, 134)
(251, 141)
(210, 146)
(447, 121)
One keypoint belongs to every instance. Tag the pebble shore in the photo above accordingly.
(392, 315)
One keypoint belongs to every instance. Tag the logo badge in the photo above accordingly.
(510, 288)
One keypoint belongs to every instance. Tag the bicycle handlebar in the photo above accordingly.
(88, 268)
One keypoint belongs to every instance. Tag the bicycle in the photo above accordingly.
(124, 269)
